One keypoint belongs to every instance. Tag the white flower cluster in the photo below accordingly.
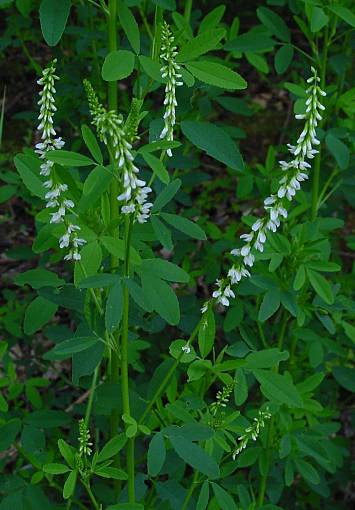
(275, 205)
(170, 72)
(54, 196)
(222, 399)
(111, 131)
(251, 432)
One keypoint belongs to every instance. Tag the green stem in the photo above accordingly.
(91, 395)
(112, 105)
(91, 496)
(270, 432)
(190, 491)
(187, 11)
(124, 365)
(166, 379)
(317, 162)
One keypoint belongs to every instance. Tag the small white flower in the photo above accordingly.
(186, 349)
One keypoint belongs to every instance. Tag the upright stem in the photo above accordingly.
(187, 11)
(270, 432)
(112, 105)
(317, 161)
(124, 364)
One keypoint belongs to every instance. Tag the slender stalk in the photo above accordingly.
(187, 11)
(124, 365)
(317, 161)
(190, 491)
(91, 496)
(166, 379)
(270, 432)
(112, 105)
(91, 395)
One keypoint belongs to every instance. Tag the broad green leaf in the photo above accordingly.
(162, 233)
(217, 75)
(162, 298)
(98, 280)
(114, 307)
(248, 457)
(321, 286)
(67, 452)
(166, 195)
(183, 25)
(344, 13)
(300, 277)
(349, 330)
(138, 295)
(307, 471)
(91, 143)
(47, 419)
(212, 19)
(200, 45)
(38, 278)
(129, 25)
(69, 158)
(233, 317)
(55, 469)
(70, 484)
(214, 141)
(91, 256)
(28, 168)
(296, 90)
(195, 456)
(323, 266)
(165, 270)
(4, 407)
(170, 5)
(250, 41)
(111, 472)
(266, 358)
(159, 145)
(269, 305)
(283, 58)
(318, 19)
(258, 61)
(68, 347)
(345, 376)
(112, 447)
(117, 248)
(176, 350)
(241, 387)
(157, 166)
(338, 150)
(38, 313)
(151, 67)
(274, 23)
(9, 432)
(188, 227)
(278, 388)
(118, 65)
(203, 497)
(225, 500)
(156, 454)
(6, 192)
(53, 16)
(207, 333)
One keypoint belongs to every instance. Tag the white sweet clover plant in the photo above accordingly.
(56, 195)
(275, 206)
(112, 132)
(170, 73)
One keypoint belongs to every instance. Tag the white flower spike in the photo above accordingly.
(110, 129)
(170, 72)
(54, 195)
(275, 205)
